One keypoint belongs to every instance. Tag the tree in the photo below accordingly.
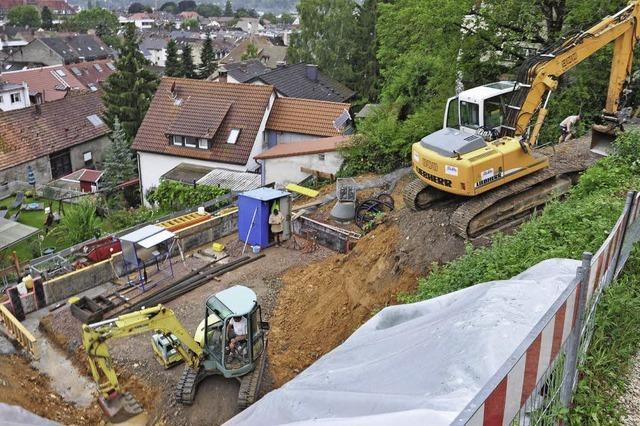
(172, 64)
(365, 64)
(169, 7)
(250, 53)
(209, 10)
(129, 90)
(286, 19)
(187, 69)
(136, 8)
(47, 18)
(80, 223)
(103, 21)
(190, 24)
(228, 9)
(207, 59)
(186, 6)
(270, 17)
(24, 16)
(119, 163)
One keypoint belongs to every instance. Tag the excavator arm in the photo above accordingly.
(539, 75)
(156, 319)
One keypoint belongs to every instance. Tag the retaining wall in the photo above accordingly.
(65, 286)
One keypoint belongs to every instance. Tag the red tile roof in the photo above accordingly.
(89, 175)
(314, 146)
(46, 80)
(27, 134)
(197, 106)
(305, 116)
(92, 72)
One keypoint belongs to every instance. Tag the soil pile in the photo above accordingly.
(21, 384)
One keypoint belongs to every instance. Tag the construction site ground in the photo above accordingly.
(313, 302)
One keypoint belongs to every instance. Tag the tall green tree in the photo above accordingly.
(172, 64)
(129, 90)
(47, 18)
(209, 10)
(228, 9)
(190, 24)
(119, 163)
(169, 7)
(250, 53)
(187, 68)
(207, 58)
(24, 16)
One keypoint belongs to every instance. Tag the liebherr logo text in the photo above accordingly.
(488, 180)
(432, 178)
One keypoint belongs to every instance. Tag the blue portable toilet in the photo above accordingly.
(255, 207)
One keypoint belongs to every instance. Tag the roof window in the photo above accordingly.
(76, 71)
(61, 73)
(111, 66)
(95, 120)
(97, 67)
(233, 136)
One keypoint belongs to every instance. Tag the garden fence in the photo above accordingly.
(541, 375)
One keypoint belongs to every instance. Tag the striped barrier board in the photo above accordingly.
(512, 392)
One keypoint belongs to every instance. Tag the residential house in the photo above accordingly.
(236, 54)
(272, 56)
(224, 126)
(306, 81)
(57, 7)
(249, 25)
(13, 96)
(210, 124)
(291, 162)
(54, 138)
(154, 50)
(63, 50)
(45, 84)
(189, 14)
(142, 20)
(92, 74)
(297, 120)
(239, 72)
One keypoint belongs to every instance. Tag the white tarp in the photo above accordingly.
(12, 415)
(420, 363)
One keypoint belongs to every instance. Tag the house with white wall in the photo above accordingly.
(13, 96)
(292, 162)
(223, 126)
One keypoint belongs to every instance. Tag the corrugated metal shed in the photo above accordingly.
(187, 173)
(232, 180)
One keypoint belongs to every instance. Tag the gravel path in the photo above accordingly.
(631, 399)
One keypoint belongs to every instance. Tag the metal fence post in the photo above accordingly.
(573, 342)
(628, 208)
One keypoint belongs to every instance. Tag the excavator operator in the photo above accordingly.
(236, 331)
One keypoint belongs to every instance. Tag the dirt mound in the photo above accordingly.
(24, 386)
(321, 304)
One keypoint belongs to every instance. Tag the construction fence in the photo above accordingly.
(541, 375)
(19, 332)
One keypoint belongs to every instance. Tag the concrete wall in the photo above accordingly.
(65, 286)
(326, 237)
(287, 169)
(97, 147)
(41, 168)
(37, 52)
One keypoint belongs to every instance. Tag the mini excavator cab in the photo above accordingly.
(237, 301)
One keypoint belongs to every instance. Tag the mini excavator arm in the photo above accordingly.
(538, 76)
(156, 319)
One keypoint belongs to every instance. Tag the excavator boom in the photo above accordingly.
(95, 337)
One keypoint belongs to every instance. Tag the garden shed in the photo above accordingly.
(254, 208)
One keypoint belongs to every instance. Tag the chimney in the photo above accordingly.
(222, 75)
(38, 110)
(312, 72)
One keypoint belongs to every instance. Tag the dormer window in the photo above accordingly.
(203, 143)
(233, 136)
(178, 140)
(190, 142)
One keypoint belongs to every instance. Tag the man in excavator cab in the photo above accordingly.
(236, 334)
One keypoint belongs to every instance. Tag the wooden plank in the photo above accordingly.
(303, 190)
(318, 173)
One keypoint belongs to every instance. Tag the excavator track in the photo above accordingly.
(250, 383)
(512, 203)
(418, 196)
(186, 388)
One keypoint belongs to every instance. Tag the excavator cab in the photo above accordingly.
(239, 302)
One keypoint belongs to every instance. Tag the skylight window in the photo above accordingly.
(95, 120)
(61, 73)
(233, 136)
(111, 66)
(76, 71)
(88, 47)
(92, 87)
(97, 67)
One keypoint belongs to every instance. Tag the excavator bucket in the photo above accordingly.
(602, 138)
(120, 407)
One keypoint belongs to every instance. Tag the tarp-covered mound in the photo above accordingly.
(11, 415)
(419, 362)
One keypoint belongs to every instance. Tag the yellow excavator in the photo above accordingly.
(486, 148)
(206, 354)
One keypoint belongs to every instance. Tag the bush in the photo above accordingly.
(80, 223)
(122, 219)
(170, 195)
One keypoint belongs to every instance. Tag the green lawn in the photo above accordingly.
(30, 248)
